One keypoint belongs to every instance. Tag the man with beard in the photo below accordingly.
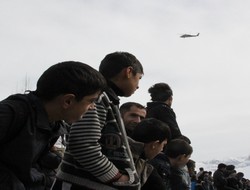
(132, 113)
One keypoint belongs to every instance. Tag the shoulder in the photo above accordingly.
(160, 162)
(156, 106)
(103, 101)
(15, 104)
(14, 111)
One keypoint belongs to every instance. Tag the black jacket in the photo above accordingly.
(26, 137)
(174, 178)
(219, 179)
(163, 112)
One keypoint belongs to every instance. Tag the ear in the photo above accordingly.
(129, 72)
(67, 100)
(155, 143)
(181, 157)
(169, 101)
(170, 98)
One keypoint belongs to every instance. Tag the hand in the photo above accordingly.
(123, 178)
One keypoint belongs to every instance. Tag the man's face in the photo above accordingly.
(132, 117)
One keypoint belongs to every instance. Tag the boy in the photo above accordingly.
(153, 135)
(98, 155)
(160, 107)
(170, 164)
(31, 123)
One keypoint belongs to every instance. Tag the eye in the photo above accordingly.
(92, 101)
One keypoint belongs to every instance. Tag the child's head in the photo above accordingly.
(69, 89)
(179, 152)
(154, 134)
(123, 69)
(69, 78)
(160, 92)
(191, 167)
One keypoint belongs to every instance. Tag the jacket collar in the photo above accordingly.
(113, 92)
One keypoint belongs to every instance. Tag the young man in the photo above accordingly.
(31, 123)
(132, 113)
(98, 155)
(160, 107)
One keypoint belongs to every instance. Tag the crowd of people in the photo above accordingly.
(224, 178)
(108, 145)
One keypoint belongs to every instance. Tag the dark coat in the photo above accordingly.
(219, 180)
(26, 137)
(174, 178)
(163, 167)
(149, 177)
(163, 112)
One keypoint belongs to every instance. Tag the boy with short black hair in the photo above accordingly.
(31, 123)
(161, 107)
(170, 164)
(98, 155)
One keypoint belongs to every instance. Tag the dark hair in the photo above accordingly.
(190, 163)
(126, 106)
(178, 147)
(240, 175)
(185, 138)
(230, 167)
(69, 78)
(113, 63)
(222, 165)
(160, 92)
(151, 129)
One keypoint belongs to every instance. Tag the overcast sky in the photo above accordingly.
(209, 74)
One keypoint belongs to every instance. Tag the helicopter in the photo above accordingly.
(189, 35)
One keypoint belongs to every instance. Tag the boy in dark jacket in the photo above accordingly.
(160, 107)
(170, 163)
(31, 123)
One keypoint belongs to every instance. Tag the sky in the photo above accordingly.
(209, 74)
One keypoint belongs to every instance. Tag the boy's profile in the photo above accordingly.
(153, 135)
(98, 155)
(171, 161)
(31, 123)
